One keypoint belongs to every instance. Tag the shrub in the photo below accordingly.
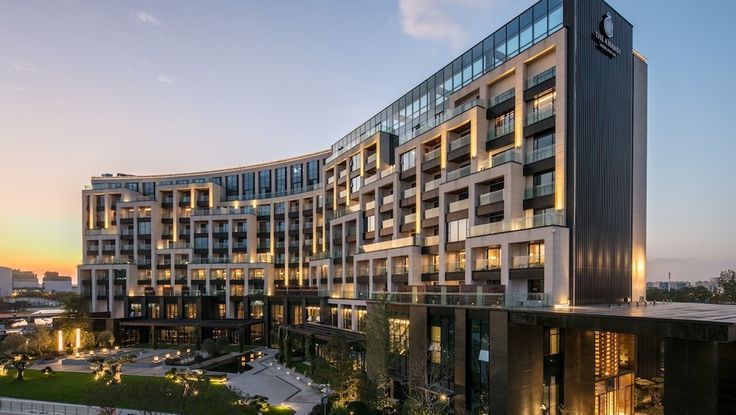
(105, 338)
(209, 347)
(221, 343)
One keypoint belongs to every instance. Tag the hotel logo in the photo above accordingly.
(603, 37)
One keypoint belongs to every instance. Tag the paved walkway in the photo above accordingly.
(280, 385)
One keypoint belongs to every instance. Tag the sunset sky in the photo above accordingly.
(153, 87)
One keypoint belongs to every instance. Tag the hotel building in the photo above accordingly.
(499, 207)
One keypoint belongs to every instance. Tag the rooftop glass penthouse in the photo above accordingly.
(427, 103)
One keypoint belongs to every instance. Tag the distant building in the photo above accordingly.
(53, 282)
(6, 281)
(24, 280)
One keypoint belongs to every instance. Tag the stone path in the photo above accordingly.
(280, 385)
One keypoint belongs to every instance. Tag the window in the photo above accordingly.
(355, 184)
(172, 311)
(408, 160)
(249, 185)
(149, 188)
(132, 186)
(231, 185)
(536, 254)
(479, 340)
(347, 318)
(154, 310)
(355, 162)
(281, 179)
(504, 124)
(221, 311)
(457, 230)
(144, 228)
(264, 182)
(190, 311)
(370, 224)
(543, 141)
(200, 243)
(296, 176)
(312, 173)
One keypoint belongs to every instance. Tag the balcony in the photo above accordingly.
(442, 298)
(431, 213)
(370, 205)
(490, 197)
(370, 179)
(392, 244)
(537, 116)
(431, 185)
(503, 97)
(500, 136)
(459, 205)
(458, 173)
(410, 193)
(527, 267)
(539, 191)
(432, 154)
(411, 218)
(459, 143)
(388, 171)
(387, 199)
(433, 240)
(510, 225)
(539, 154)
(485, 270)
(541, 78)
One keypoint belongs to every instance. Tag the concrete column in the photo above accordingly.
(691, 377)
(579, 369)
(228, 310)
(94, 289)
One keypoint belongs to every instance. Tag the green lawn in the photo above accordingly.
(77, 388)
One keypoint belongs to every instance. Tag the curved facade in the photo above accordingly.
(479, 192)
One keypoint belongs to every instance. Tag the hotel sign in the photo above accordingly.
(603, 37)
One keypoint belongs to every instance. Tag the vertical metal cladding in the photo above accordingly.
(600, 137)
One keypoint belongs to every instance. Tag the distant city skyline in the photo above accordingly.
(112, 87)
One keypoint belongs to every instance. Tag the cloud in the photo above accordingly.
(165, 79)
(15, 88)
(144, 17)
(433, 19)
(24, 67)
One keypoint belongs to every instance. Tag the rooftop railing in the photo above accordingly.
(509, 225)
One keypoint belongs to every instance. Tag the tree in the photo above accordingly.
(209, 347)
(14, 344)
(221, 343)
(76, 312)
(337, 367)
(40, 341)
(379, 358)
(727, 286)
(19, 362)
(105, 338)
(426, 393)
(113, 367)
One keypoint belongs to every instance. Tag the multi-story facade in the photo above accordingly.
(494, 205)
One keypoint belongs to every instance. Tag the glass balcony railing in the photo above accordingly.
(460, 142)
(503, 96)
(500, 131)
(442, 298)
(458, 173)
(431, 185)
(509, 225)
(490, 197)
(432, 154)
(539, 154)
(540, 114)
(539, 191)
(485, 264)
(538, 79)
(527, 261)
(431, 213)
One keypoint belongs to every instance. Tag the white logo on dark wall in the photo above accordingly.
(607, 25)
(603, 37)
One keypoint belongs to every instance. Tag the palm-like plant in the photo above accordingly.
(113, 367)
